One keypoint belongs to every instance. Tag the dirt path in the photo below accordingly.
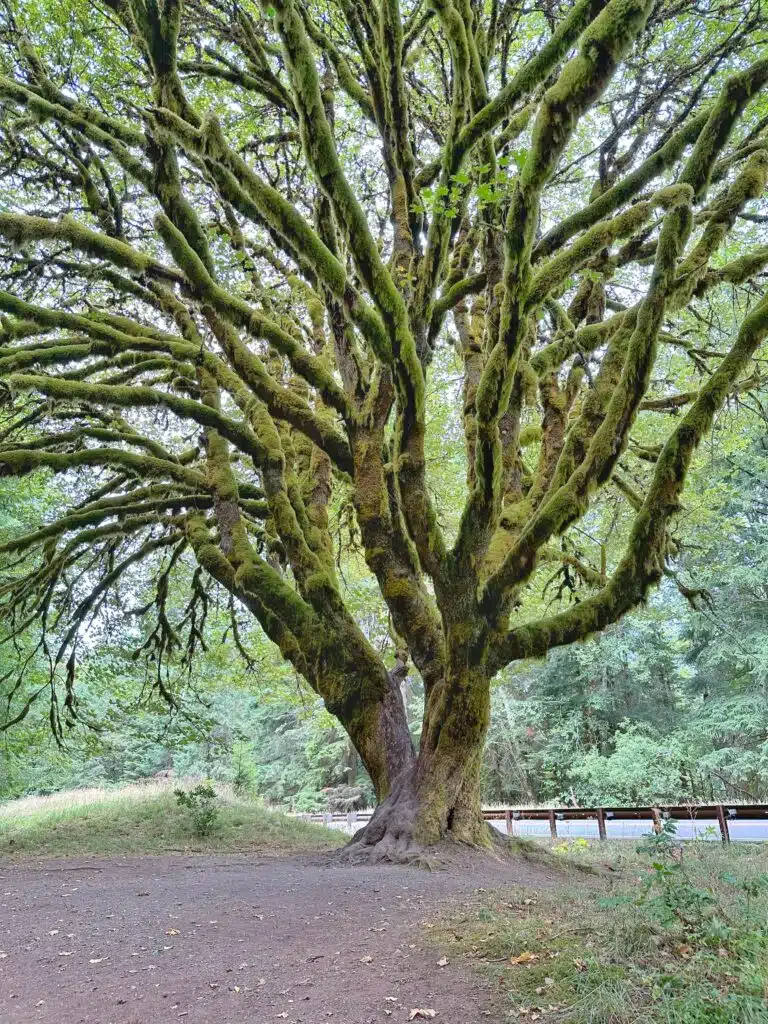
(231, 940)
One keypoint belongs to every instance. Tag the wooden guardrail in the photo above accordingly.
(721, 813)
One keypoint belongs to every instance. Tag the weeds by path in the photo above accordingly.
(675, 935)
(148, 819)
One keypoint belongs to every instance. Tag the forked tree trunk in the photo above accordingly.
(374, 719)
(438, 796)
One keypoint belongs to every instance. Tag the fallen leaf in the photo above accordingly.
(443, 961)
(366, 960)
(54, 931)
(424, 1014)
(66, 952)
(97, 960)
(172, 931)
(524, 958)
(580, 965)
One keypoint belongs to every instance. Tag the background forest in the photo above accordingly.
(669, 704)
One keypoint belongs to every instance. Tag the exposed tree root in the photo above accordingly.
(390, 838)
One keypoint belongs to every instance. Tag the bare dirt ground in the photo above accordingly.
(235, 940)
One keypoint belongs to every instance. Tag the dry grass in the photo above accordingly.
(72, 798)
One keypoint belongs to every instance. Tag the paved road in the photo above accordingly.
(703, 828)
(744, 830)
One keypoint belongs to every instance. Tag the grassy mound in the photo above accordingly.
(148, 819)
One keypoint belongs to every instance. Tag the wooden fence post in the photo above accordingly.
(553, 825)
(722, 821)
(601, 823)
(508, 821)
(656, 815)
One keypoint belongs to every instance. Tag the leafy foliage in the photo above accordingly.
(200, 802)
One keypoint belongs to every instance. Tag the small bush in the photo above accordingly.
(200, 802)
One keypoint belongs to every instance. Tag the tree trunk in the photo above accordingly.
(437, 797)
(378, 728)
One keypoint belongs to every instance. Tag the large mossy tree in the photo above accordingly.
(233, 242)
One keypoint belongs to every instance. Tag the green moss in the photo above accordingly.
(530, 435)
(19, 228)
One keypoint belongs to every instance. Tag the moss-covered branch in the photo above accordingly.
(708, 132)
(568, 500)
(239, 312)
(18, 228)
(136, 397)
(642, 563)
(21, 461)
(582, 80)
(531, 75)
(263, 204)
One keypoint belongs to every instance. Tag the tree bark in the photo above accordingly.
(437, 796)
(378, 728)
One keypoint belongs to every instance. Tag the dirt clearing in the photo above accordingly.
(234, 940)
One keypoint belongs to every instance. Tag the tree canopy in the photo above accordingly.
(238, 243)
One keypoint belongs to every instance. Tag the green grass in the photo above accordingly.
(147, 819)
(596, 952)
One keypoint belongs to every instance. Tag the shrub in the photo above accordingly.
(200, 803)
